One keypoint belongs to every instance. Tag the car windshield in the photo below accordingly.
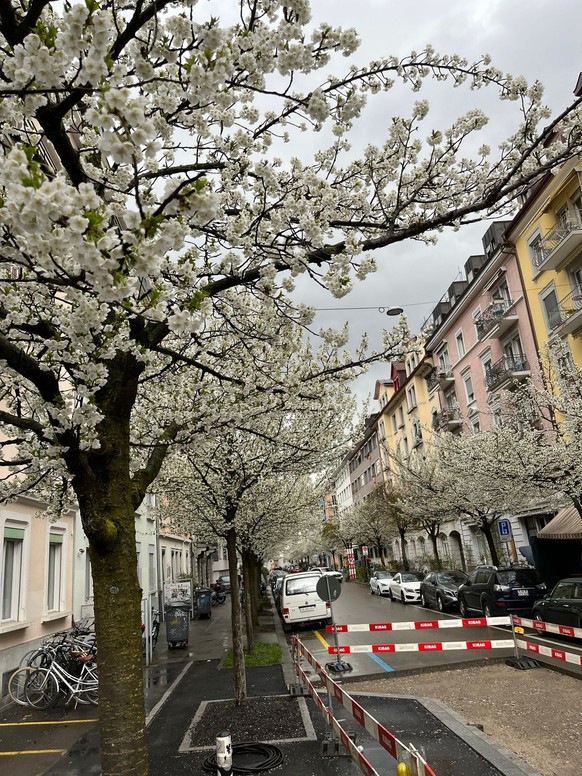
(518, 577)
(413, 577)
(451, 578)
(384, 575)
(301, 585)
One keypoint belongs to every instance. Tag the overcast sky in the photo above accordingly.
(538, 39)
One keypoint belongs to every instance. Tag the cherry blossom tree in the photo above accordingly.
(144, 178)
(239, 480)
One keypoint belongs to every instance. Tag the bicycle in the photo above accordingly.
(42, 686)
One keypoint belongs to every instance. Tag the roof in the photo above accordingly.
(567, 524)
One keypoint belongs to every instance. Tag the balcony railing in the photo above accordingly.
(491, 316)
(567, 316)
(557, 244)
(441, 377)
(507, 368)
(448, 418)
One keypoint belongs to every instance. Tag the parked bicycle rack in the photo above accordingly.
(342, 741)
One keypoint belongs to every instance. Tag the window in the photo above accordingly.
(501, 292)
(12, 566)
(411, 397)
(486, 362)
(394, 423)
(475, 426)
(88, 578)
(460, 344)
(54, 572)
(468, 386)
(400, 417)
(444, 360)
(513, 353)
(152, 568)
(537, 251)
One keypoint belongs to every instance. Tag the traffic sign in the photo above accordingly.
(328, 588)
(504, 530)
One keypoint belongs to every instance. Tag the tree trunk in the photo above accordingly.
(240, 679)
(435, 548)
(486, 529)
(248, 599)
(403, 550)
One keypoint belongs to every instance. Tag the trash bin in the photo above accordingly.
(177, 616)
(203, 601)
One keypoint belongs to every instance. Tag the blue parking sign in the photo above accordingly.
(504, 529)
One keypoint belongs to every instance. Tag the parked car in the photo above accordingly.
(441, 589)
(379, 582)
(299, 602)
(563, 606)
(327, 570)
(405, 586)
(274, 574)
(224, 582)
(277, 591)
(505, 590)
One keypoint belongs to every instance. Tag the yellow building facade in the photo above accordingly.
(547, 236)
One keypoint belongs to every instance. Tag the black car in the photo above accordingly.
(498, 591)
(563, 606)
(224, 581)
(441, 588)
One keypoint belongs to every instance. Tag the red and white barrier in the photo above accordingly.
(381, 734)
(466, 622)
(557, 654)
(431, 646)
(548, 627)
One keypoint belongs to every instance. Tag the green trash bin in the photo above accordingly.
(203, 601)
(177, 617)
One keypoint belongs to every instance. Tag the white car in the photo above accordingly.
(405, 586)
(379, 582)
(327, 570)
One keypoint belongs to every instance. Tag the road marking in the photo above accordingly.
(380, 662)
(59, 722)
(322, 640)
(33, 751)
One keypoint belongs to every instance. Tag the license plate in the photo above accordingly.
(523, 592)
(307, 608)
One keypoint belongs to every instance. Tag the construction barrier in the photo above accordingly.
(466, 622)
(416, 764)
(430, 646)
(548, 627)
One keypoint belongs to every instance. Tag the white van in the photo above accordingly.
(299, 603)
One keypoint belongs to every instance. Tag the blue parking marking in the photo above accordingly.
(381, 662)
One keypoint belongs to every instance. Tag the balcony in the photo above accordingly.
(566, 318)
(447, 419)
(559, 243)
(441, 377)
(508, 369)
(496, 319)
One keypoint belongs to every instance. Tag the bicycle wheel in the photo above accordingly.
(41, 689)
(91, 693)
(17, 684)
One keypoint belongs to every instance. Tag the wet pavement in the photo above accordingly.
(180, 683)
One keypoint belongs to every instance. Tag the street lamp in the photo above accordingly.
(391, 310)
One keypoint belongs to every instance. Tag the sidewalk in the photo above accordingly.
(186, 692)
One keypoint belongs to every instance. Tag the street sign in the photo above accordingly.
(328, 588)
(504, 529)
(364, 549)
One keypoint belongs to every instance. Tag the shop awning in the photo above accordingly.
(567, 524)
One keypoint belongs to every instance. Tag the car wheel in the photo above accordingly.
(538, 617)
(463, 607)
(423, 601)
(487, 611)
(286, 627)
(402, 598)
(371, 590)
(439, 602)
(390, 594)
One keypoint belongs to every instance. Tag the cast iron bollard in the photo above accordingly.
(224, 754)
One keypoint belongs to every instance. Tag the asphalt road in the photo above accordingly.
(356, 606)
